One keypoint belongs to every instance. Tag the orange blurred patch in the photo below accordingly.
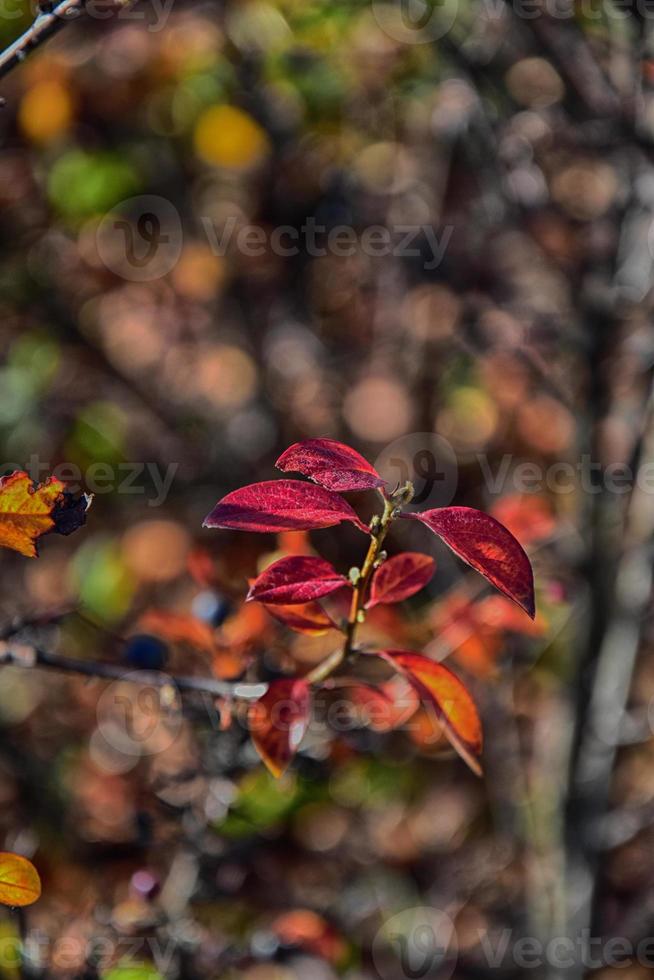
(46, 110)
(474, 631)
(156, 551)
(294, 543)
(179, 628)
(527, 516)
(311, 932)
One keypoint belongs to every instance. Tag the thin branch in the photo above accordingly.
(45, 26)
(23, 655)
(379, 526)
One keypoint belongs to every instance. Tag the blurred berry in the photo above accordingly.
(146, 652)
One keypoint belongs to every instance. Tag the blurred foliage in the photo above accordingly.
(528, 339)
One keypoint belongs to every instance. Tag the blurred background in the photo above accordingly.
(425, 230)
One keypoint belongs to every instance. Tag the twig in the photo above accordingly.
(29, 656)
(378, 530)
(45, 26)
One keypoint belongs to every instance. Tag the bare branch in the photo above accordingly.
(25, 655)
(45, 26)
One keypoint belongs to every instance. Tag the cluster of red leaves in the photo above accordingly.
(292, 587)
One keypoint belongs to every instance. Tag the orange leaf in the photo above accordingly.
(428, 733)
(308, 618)
(384, 708)
(19, 880)
(248, 625)
(442, 689)
(26, 511)
(179, 628)
(278, 722)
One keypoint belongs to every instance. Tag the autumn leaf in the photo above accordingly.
(443, 690)
(400, 577)
(384, 708)
(281, 505)
(296, 579)
(26, 511)
(331, 464)
(179, 628)
(278, 722)
(308, 618)
(487, 546)
(19, 880)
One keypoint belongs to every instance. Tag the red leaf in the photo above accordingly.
(308, 618)
(400, 577)
(444, 691)
(281, 505)
(296, 579)
(484, 543)
(331, 464)
(278, 722)
(384, 708)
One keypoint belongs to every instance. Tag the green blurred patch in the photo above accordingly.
(16, 17)
(81, 184)
(371, 782)
(132, 971)
(98, 435)
(320, 85)
(104, 584)
(32, 362)
(10, 951)
(263, 802)
(38, 354)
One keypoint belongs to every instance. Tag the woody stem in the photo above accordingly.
(379, 527)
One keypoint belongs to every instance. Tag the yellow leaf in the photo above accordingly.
(19, 880)
(26, 511)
